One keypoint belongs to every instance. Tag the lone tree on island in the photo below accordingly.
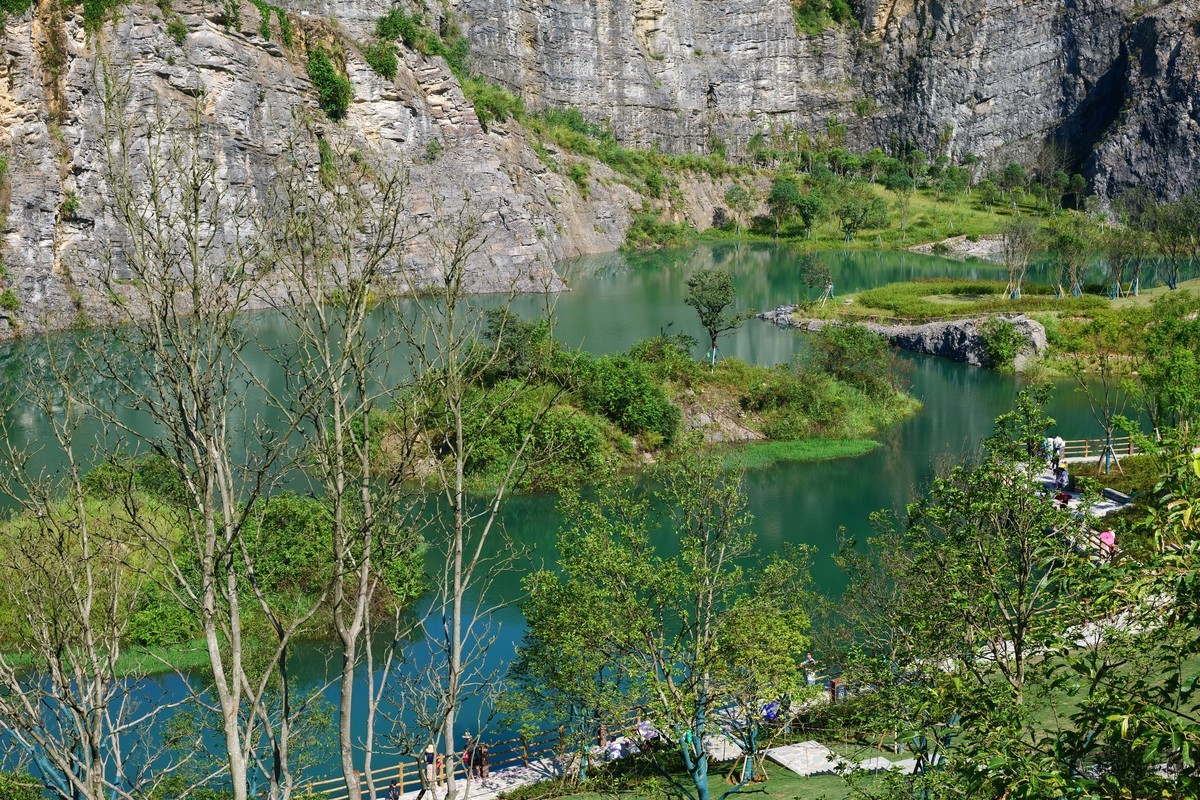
(710, 292)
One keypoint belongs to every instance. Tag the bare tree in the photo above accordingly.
(186, 261)
(66, 701)
(1021, 239)
(451, 350)
(338, 227)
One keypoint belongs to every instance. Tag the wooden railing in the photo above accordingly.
(1094, 448)
(519, 750)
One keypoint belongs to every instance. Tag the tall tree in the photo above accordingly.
(688, 638)
(710, 293)
(336, 242)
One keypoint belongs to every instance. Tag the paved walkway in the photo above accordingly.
(814, 758)
(504, 780)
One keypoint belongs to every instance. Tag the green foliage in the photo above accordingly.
(177, 30)
(70, 205)
(859, 357)
(922, 300)
(814, 16)
(624, 390)
(397, 25)
(670, 355)
(579, 174)
(334, 91)
(492, 103)
(19, 786)
(1001, 342)
(95, 12)
(382, 58)
(710, 293)
(14, 8)
(160, 621)
(290, 544)
(649, 231)
(9, 300)
(265, 10)
(328, 161)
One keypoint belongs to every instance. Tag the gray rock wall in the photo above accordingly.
(1156, 140)
(256, 96)
(986, 76)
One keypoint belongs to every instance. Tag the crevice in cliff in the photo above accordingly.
(1094, 117)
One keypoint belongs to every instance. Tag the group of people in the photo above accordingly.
(474, 759)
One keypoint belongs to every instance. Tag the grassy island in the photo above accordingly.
(590, 414)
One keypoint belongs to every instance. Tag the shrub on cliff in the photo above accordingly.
(382, 58)
(334, 91)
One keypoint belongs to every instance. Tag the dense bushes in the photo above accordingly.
(858, 357)
(813, 16)
(334, 91)
(625, 391)
(649, 231)
(382, 58)
(1001, 342)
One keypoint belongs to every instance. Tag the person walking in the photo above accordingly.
(428, 774)
(468, 755)
(394, 791)
(1060, 448)
(481, 756)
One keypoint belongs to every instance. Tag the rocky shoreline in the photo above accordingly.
(958, 340)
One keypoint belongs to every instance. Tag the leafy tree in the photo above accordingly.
(784, 200)
(815, 273)
(710, 293)
(741, 203)
(1167, 362)
(1071, 241)
(950, 615)
(811, 208)
(334, 91)
(623, 626)
(860, 209)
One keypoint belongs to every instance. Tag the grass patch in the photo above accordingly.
(762, 455)
(925, 300)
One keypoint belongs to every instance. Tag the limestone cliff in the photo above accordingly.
(986, 76)
(255, 97)
(1156, 140)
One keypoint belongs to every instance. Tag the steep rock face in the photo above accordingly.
(255, 99)
(980, 76)
(1156, 141)
(958, 340)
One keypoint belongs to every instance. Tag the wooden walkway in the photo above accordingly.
(511, 763)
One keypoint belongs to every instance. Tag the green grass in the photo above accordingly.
(925, 300)
(761, 455)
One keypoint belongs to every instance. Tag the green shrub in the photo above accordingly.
(14, 8)
(625, 391)
(1001, 342)
(670, 355)
(579, 172)
(160, 621)
(397, 25)
(382, 58)
(858, 357)
(95, 12)
(177, 30)
(20, 786)
(9, 300)
(289, 539)
(334, 91)
(649, 231)
(492, 103)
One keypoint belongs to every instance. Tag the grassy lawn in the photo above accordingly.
(1148, 296)
(781, 785)
(761, 455)
(927, 300)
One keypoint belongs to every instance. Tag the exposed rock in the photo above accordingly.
(986, 76)
(256, 100)
(985, 248)
(958, 340)
(1156, 141)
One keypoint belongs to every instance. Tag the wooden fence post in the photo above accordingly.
(524, 751)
